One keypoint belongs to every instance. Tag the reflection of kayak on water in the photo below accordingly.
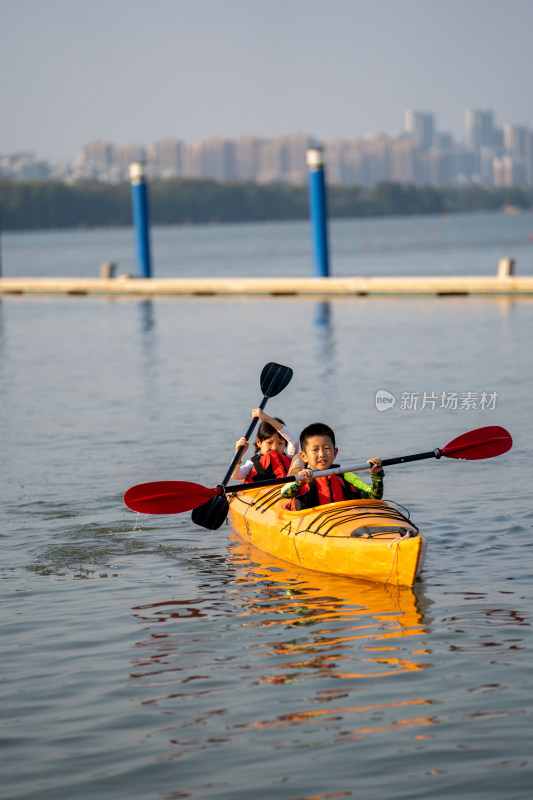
(293, 589)
(366, 539)
(355, 628)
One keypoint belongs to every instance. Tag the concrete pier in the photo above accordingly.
(270, 287)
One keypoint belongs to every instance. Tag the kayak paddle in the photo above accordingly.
(173, 497)
(211, 514)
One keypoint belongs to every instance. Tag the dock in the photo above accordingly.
(127, 286)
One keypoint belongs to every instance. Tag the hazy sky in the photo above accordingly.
(140, 70)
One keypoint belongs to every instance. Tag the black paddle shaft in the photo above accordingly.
(243, 487)
(416, 457)
(241, 449)
(274, 378)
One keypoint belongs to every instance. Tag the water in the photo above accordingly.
(462, 244)
(144, 657)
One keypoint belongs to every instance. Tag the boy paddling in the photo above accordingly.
(318, 452)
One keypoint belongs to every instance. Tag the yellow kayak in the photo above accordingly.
(363, 539)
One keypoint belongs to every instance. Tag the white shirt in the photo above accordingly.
(293, 445)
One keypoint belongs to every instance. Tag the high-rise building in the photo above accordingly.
(188, 161)
(419, 155)
(375, 160)
(479, 129)
(403, 160)
(463, 165)
(443, 141)
(246, 150)
(421, 125)
(439, 167)
(345, 162)
(166, 157)
(126, 155)
(529, 158)
(216, 159)
(508, 173)
(486, 165)
(210, 158)
(296, 147)
(99, 154)
(334, 151)
(515, 140)
(273, 161)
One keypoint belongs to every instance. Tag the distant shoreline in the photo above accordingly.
(177, 201)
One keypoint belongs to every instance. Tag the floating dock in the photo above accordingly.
(270, 287)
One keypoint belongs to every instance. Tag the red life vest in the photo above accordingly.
(268, 466)
(322, 490)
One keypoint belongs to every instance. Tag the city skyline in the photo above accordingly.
(119, 71)
(420, 154)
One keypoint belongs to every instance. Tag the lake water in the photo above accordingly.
(144, 657)
(462, 244)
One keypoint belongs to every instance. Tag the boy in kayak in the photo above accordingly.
(318, 451)
(271, 460)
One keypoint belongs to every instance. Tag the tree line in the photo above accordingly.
(178, 201)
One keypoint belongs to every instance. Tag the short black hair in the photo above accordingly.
(266, 430)
(315, 429)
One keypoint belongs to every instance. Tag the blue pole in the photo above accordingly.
(141, 221)
(319, 211)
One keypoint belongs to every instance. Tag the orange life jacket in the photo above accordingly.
(322, 490)
(268, 466)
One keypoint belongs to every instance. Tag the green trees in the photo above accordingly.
(396, 199)
(51, 204)
(177, 201)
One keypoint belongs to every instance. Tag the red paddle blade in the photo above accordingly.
(167, 497)
(481, 443)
